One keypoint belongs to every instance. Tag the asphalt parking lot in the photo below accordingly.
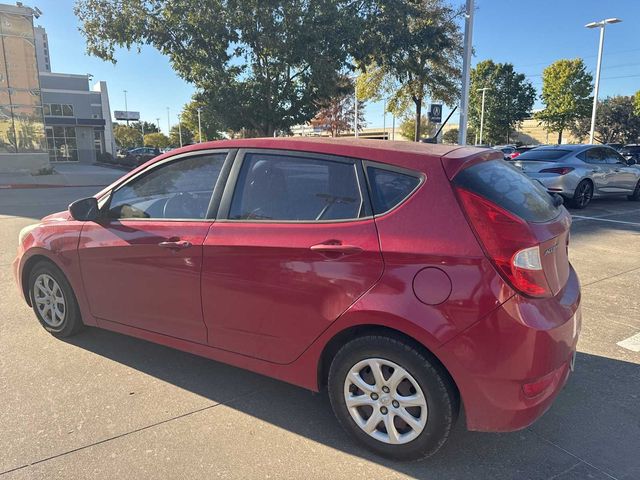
(103, 405)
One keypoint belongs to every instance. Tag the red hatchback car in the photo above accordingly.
(411, 280)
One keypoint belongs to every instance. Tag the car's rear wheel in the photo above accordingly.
(582, 195)
(53, 301)
(391, 397)
(635, 196)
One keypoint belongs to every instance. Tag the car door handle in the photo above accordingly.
(175, 245)
(335, 248)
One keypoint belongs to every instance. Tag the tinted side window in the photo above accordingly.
(595, 155)
(389, 188)
(179, 190)
(613, 156)
(282, 187)
(506, 186)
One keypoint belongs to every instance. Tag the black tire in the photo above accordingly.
(583, 194)
(72, 321)
(635, 196)
(441, 396)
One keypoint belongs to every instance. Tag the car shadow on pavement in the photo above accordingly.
(592, 430)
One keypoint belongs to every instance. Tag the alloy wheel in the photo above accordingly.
(584, 194)
(385, 401)
(49, 300)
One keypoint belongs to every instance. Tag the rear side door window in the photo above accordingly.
(390, 187)
(596, 156)
(288, 187)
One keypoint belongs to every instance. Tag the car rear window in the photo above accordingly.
(389, 188)
(544, 155)
(509, 188)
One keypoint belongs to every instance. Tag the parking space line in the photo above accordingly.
(598, 219)
(632, 343)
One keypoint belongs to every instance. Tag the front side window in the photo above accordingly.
(178, 190)
(293, 188)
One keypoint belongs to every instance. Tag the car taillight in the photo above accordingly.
(558, 170)
(514, 155)
(508, 242)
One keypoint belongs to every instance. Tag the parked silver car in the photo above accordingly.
(580, 172)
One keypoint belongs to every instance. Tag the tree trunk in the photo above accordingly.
(418, 102)
(559, 137)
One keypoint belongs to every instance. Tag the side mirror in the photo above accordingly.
(630, 160)
(85, 210)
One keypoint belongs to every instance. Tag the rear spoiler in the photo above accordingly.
(464, 157)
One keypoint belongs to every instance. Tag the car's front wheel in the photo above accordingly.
(53, 301)
(391, 397)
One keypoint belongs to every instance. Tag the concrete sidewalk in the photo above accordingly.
(65, 175)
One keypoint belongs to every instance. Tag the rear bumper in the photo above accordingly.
(523, 342)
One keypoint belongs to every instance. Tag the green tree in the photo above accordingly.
(146, 127)
(507, 102)
(408, 128)
(418, 45)
(263, 66)
(451, 136)
(210, 124)
(127, 137)
(636, 101)
(616, 121)
(174, 136)
(566, 94)
(157, 140)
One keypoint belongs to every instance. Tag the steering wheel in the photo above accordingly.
(181, 205)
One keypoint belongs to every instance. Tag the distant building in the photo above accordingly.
(77, 119)
(45, 116)
(22, 135)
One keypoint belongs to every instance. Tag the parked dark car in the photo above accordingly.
(631, 152)
(403, 277)
(137, 156)
(616, 146)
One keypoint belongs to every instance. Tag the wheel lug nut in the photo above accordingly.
(385, 389)
(374, 396)
(383, 410)
(395, 404)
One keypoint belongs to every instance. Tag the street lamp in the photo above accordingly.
(168, 123)
(199, 127)
(483, 90)
(466, 71)
(126, 109)
(601, 24)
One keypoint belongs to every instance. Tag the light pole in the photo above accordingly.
(483, 90)
(601, 24)
(199, 127)
(126, 109)
(384, 119)
(466, 72)
(168, 123)
(355, 119)
(158, 122)
(180, 128)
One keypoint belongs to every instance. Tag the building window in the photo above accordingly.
(58, 110)
(98, 141)
(61, 143)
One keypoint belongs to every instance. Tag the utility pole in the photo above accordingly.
(466, 73)
(126, 109)
(393, 127)
(601, 24)
(168, 123)
(355, 120)
(180, 129)
(384, 119)
(199, 127)
(483, 90)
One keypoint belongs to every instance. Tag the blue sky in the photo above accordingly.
(531, 34)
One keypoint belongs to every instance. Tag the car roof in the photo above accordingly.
(413, 155)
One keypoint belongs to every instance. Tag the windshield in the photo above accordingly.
(544, 155)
